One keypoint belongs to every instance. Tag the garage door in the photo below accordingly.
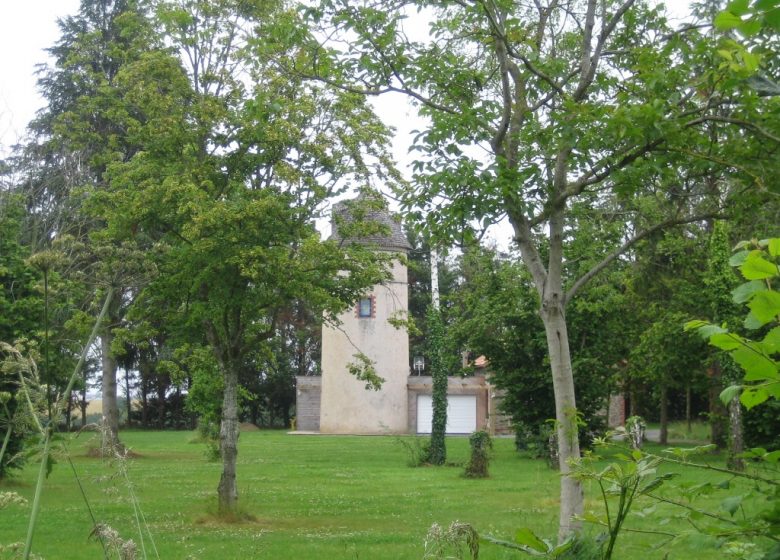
(461, 414)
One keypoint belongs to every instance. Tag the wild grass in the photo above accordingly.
(303, 497)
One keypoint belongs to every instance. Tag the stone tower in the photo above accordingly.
(346, 406)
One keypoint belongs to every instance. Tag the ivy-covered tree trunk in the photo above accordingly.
(717, 412)
(664, 413)
(437, 453)
(227, 491)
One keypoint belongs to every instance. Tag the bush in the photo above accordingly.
(208, 433)
(481, 445)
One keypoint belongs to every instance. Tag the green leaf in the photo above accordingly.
(695, 324)
(757, 365)
(730, 393)
(527, 538)
(774, 247)
(738, 7)
(726, 20)
(726, 341)
(560, 549)
(749, 28)
(762, 5)
(772, 18)
(743, 293)
(738, 258)
(731, 504)
(771, 342)
(751, 322)
(773, 457)
(765, 306)
(756, 267)
(753, 396)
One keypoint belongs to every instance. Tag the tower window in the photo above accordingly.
(366, 307)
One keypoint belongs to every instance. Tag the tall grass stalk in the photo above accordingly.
(8, 432)
(57, 411)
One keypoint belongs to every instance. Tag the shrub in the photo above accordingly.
(481, 445)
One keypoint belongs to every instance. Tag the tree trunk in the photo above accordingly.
(227, 490)
(143, 370)
(688, 419)
(161, 388)
(128, 398)
(83, 401)
(664, 436)
(565, 414)
(736, 442)
(110, 407)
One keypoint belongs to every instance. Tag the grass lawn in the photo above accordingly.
(313, 497)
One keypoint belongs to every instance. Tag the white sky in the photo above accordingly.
(27, 27)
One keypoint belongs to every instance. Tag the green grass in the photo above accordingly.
(312, 497)
(678, 431)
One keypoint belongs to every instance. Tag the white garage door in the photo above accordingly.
(461, 414)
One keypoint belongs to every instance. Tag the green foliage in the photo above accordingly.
(739, 517)
(759, 264)
(481, 445)
(21, 401)
(363, 368)
(749, 16)
(494, 314)
(760, 425)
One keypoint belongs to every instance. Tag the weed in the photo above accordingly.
(453, 542)
(417, 450)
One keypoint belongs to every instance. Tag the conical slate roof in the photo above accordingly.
(392, 237)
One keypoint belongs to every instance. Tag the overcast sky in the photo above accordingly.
(28, 27)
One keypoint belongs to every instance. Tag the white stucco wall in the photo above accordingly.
(347, 407)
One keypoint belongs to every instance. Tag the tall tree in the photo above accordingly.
(75, 138)
(530, 109)
(228, 185)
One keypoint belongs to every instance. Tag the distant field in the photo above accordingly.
(313, 497)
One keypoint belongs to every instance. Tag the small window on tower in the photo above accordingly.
(366, 307)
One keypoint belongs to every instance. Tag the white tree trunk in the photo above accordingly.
(566, 416)
(435, 278)
(736, 441)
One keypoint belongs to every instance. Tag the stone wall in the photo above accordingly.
(307, 403)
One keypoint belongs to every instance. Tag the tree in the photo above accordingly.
(20, 313)
(531, 110)
(227, 187)
(495, 314)
(75, 139)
